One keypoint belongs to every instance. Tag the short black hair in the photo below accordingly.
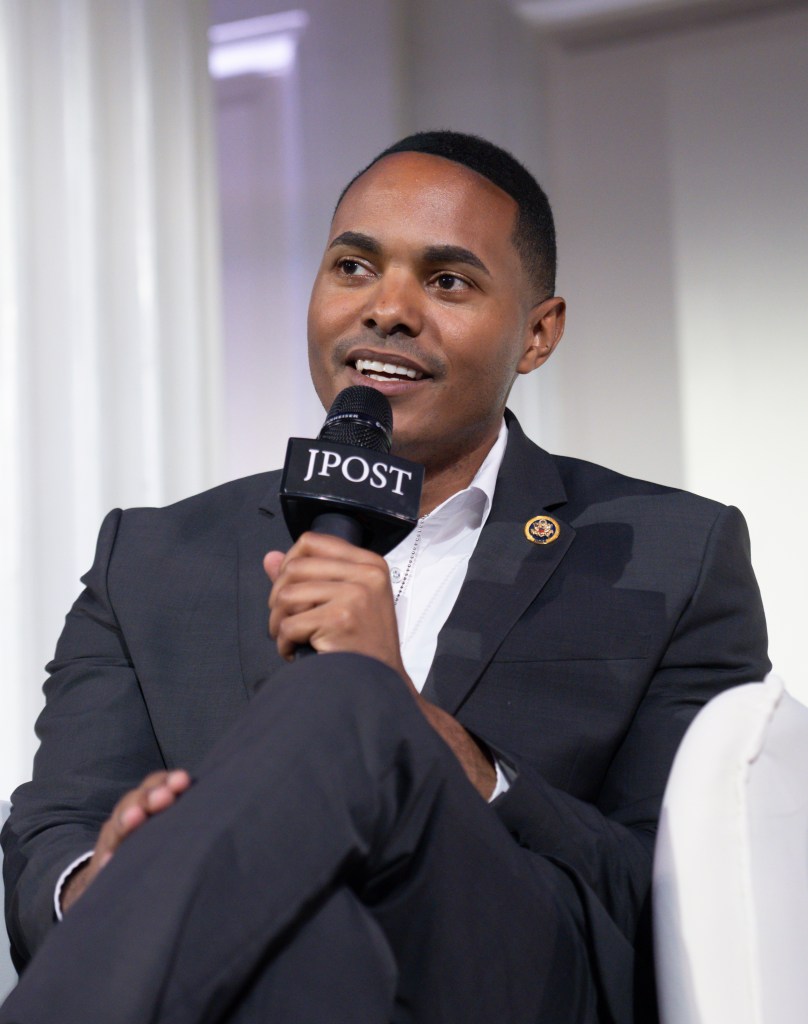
(534, 233)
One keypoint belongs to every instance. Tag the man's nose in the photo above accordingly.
(395, 306)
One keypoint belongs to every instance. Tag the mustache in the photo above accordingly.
(397, 343)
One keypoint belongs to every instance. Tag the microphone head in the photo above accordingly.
(360, 416)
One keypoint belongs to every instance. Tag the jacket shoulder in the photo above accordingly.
(225, 503)
(587, 484)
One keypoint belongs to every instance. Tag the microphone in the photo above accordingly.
(346, 483)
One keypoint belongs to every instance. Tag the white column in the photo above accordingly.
(265, 279)
(109, 313)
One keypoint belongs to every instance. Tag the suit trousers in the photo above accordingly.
(330, 863)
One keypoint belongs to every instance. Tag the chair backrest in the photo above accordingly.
(8, 976)
(731, 865)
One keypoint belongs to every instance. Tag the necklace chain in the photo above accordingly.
(413, 554)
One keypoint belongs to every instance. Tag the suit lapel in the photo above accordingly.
(505, 573)
(266, 532)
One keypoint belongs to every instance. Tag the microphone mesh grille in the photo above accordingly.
(359, 416)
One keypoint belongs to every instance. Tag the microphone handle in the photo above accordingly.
(337, 524)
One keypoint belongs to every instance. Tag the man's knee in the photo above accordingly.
(346, 713)
(339, 689)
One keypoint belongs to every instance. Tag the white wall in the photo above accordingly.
(739, 170)
(679, 169)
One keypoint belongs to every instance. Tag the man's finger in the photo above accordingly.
(157, 792)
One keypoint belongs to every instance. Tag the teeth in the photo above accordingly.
(372, 368)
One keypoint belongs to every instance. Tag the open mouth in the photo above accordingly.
(377, 370)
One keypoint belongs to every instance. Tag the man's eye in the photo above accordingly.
(450, 282)
(352, 268)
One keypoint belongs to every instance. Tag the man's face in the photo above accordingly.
(422, 295)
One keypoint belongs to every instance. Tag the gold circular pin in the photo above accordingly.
(542, 530)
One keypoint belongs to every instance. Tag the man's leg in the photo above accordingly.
(337, 967)
(332, 781)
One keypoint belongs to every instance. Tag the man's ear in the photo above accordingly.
(545, 327)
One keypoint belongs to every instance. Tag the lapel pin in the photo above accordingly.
(542, 530)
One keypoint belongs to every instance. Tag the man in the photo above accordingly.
(448, 814)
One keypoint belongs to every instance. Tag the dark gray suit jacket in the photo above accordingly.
(581, 661)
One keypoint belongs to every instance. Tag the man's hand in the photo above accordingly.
(157, 792)
(337, 597)
(334, 596)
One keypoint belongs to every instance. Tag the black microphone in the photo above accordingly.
(346, 483)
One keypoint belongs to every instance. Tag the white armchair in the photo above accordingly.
(731, 866)
(8, 976)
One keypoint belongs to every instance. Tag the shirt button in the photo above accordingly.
(395, 574)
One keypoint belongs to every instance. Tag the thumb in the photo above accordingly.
(272, 564)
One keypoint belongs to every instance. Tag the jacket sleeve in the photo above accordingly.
(719, 641)
(96, 742)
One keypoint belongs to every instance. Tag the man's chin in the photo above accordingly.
(412, 446)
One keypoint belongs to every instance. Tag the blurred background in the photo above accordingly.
(168, 169)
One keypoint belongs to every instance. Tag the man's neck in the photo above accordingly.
(442, 481)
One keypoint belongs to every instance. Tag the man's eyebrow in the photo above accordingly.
(432, 253)
(356, 240)
(454, 254)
